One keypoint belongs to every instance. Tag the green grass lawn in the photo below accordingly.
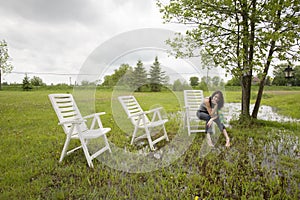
(262, 163)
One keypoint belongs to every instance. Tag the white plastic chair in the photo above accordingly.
(75, 127)
(140, 120)
(192, 101)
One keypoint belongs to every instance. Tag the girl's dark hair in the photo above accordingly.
(221, 100)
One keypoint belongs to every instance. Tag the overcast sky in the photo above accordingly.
(52, 39)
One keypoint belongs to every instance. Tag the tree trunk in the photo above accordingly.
(246, 93)
(266, 69)
(262, 82)
(246, 63)
(258, 98)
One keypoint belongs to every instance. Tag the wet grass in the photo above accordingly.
(263, 162)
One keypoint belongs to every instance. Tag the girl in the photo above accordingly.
(208, 111)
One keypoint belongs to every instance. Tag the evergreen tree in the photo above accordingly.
(157, 76)
(140, 76)
(26, 83)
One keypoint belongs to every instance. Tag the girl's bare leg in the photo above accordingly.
(227, 138)
(209, 141)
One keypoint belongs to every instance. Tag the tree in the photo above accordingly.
(108, 81)
(242, 36)
(5, 66)
(297, 75)
(216, 80)
(140, 76)
(222, 83)
(121, 75)
(206, 80)
(194, 81)
(234, 82)
(157, 76)
(279, 78)
(36, 81)
(177, 85)
(268, 81)
(180, 86)
(118, 75)
(26, 85)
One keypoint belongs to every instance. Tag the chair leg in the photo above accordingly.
(133, 135)
(65, 148)
(106, 143)
(86, 152)
(188, 126)
(149, 138)
(165, 133)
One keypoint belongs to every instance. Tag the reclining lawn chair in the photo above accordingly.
(192, 101)
(140, 120)
(75, 127)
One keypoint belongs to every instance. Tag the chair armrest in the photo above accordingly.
(78, 121)
(93, 115)
(153, 110)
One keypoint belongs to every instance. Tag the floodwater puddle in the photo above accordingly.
(231, 111)
(271, 150)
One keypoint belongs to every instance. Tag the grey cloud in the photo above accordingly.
(61, 11)
(54, 11)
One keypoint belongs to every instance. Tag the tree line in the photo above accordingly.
(137, 78)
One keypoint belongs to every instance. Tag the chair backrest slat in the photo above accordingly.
(68, 115)
(64, 104)
(193, 99)
(66, 110)
(131, 107)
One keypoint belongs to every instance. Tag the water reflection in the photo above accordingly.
(232, 111)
